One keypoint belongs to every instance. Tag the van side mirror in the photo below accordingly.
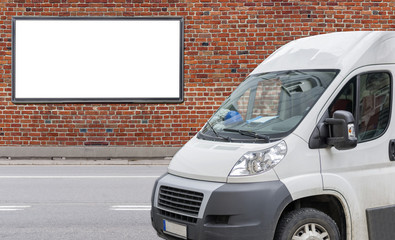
(341, 130)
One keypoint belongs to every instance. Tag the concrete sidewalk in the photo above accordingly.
(64, 161)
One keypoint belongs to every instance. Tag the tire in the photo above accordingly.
(307, 224)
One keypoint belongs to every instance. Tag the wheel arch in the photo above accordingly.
(331, 204)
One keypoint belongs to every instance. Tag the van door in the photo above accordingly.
(365, 175)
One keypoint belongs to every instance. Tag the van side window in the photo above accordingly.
(374, 105)
(374, 97)
(345, 100)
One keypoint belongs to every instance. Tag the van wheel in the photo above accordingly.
(307, 224)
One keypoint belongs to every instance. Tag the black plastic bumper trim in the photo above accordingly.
(235, 211)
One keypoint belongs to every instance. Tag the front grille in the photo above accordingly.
(177, 216)
(180, 201)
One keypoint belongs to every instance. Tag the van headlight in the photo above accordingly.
(259, 161)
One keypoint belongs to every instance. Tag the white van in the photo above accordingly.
(303, 149)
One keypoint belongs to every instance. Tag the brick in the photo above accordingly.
(224, 41)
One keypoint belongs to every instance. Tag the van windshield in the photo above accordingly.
(268, 106)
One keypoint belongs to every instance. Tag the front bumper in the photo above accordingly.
(227, 212)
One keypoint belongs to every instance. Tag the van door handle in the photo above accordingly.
(391, 149)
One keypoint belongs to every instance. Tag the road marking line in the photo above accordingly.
(9, 210)
(13, 208)
(131, 208)
(126, 209)
(74, 177)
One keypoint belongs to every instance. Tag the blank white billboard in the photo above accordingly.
(97, 59)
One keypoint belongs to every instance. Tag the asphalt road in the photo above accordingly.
(77, 202)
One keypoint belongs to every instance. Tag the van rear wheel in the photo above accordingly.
(307, 224)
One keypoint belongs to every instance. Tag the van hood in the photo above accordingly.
(208, 160)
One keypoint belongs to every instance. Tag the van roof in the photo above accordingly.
(341, 50)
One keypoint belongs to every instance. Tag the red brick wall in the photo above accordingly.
(224, 41)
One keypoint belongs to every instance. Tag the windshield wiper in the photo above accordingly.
(249, 133)
(216, 134)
